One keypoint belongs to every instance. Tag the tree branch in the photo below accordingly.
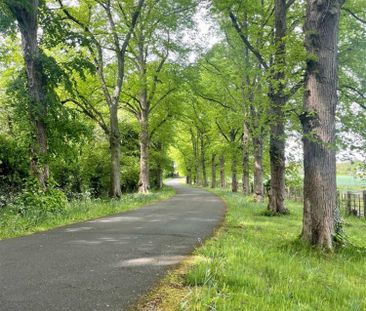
(221, 131)
(363, 21)
(166, 119)
(294, 89)
(289, 3)
(358, 92)
(88, 113)
(216, 101)
(157, 72)
(162, 98)
(246, 41)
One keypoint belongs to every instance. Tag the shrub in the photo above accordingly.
(35, 200)
(13, 165)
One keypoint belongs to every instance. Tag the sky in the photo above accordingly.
(206, 32)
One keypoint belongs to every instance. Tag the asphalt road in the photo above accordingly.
(108, 263)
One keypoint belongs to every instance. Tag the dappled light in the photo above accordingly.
(151, 261)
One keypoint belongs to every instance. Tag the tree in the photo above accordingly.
(93, 22)
(220, 87)
(278, 100)
(279, 91)
(156, 37)
(320, 101)
(26, 15)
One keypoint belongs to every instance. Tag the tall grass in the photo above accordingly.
(258, 263)
(14, 224)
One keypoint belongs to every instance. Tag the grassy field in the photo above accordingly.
(14, 225)
(257, 263)
(345, 182)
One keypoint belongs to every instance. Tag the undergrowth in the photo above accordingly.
(24, 216)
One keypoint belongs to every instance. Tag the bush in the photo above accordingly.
(35, 200)
(13, 165)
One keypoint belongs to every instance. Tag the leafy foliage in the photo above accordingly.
(39, 202)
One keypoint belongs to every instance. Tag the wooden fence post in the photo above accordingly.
(349, 203)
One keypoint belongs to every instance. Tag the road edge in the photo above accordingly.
(170, 290)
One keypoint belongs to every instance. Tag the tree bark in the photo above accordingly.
(203, 160)
(189, 176)
(213, 171)
(115, 150)
(143, 117)
(27, 17)
(197, 175)
(159, 175)
(144, 181)
(277, 161)
(159, 167)
(245, 163)
(222, 172)
(318, 119)
(258, 168)
(278, 100)
(234, 178)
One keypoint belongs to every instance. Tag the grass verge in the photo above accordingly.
(15, 225)
(257, 263)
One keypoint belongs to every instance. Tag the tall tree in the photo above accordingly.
(26, 15)
(279, 91)
(318, 119)
(94, 21)
(278, 100)
(156, 37)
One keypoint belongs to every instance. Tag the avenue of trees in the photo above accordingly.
(103, 95)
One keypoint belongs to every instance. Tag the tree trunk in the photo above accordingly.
(278, 100)
(27, 17)
(213, 171)
(115, 149)
(156, 174)
(159, 175)
(143, 118)
(197, 177)
(318, 119)
(277, 161)
(189, 176)
(203, 160)
(222, 172)
(144, 182)
(258, 168)
(234, 179)
(245, 145)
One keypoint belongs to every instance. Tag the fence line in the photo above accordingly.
(352, 203)
(349, 202)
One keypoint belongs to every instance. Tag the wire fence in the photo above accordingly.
(350, 203)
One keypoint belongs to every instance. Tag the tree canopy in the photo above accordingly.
(111, 96)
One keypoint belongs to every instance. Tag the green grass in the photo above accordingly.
(257, 263)
(345, 182)
(15, 225)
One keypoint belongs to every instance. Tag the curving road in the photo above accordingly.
(108, 263)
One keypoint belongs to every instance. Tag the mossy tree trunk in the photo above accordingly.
(318, 119)
(26, 14)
